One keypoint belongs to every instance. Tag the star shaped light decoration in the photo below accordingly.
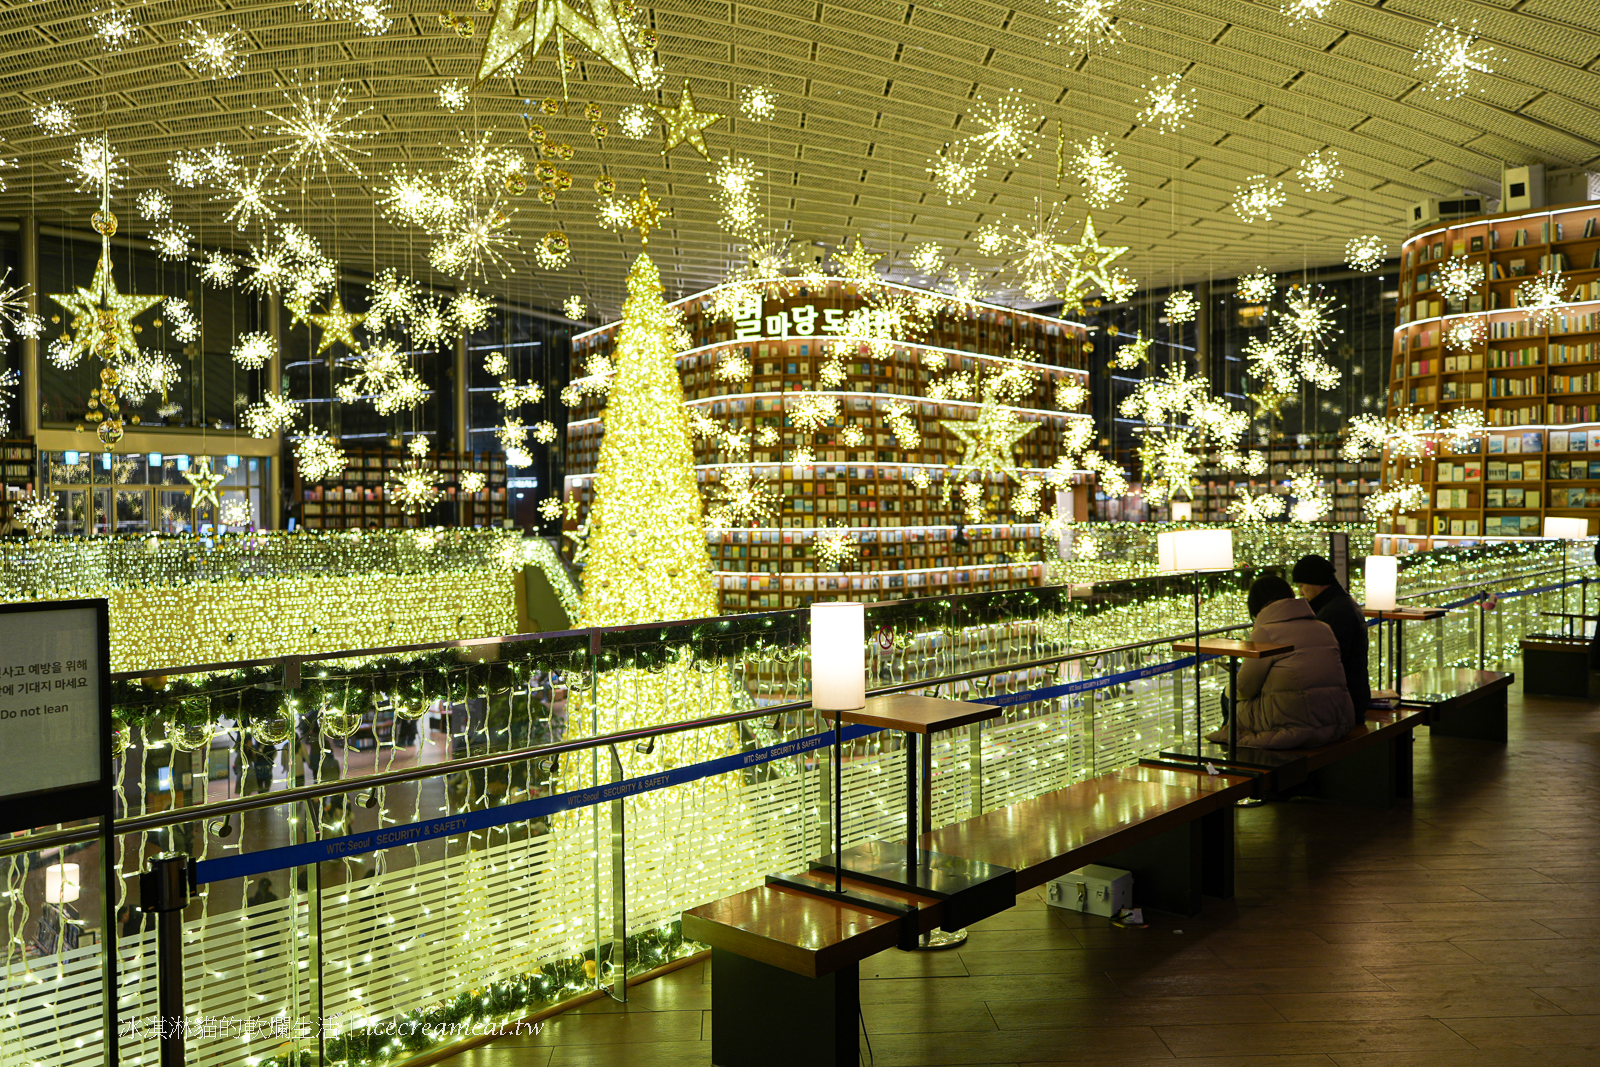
(205, 482)
(858, 264)
(602, 31)
(1134, 353)
(336, 324)
(989, 440)
(1269, 403)
(645, 213)
(686, 124)
(1088, 264)
(102, 317)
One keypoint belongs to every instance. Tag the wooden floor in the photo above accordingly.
(1461, 929)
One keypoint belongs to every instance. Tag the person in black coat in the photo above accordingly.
(1317, 583)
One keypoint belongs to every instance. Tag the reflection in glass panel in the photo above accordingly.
(133, 511)
(172, 512)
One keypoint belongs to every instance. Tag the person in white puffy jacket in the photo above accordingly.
(1299, 699)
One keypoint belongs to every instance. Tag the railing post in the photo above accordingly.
(975, 766)
(164, 892)
(619, 889)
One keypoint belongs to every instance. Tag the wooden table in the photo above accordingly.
(1235, 651)
(1397, 636)
(1461, 702)
(917, 717)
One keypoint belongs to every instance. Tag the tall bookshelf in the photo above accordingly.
(1349, 482)
(18, 471)
(356, 497)
(1537, 382)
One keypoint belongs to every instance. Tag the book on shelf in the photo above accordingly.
(1519, 239)
(1494, 238)
(1588, 226)
(1458, 248)
(1438, 250)
(1533, 441)
(1518, 267)
(1476, 244)
(1497, 444)
(1559, 440)
(1495, 498)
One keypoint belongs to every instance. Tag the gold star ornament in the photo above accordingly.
(336, 324)
(685, 124)
(102, 318)
(205, 482)
(599, 29)
(1269, 403)
(858, 264)
(1088, 268)
(646, 212)
(989, 441)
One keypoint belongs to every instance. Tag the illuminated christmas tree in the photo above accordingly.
(645, 554)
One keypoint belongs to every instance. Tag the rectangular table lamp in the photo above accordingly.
(1194, 550)
(1566, 529)
(838, 656)
(1382, 578)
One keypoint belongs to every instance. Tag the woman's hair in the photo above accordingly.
(1268, 589)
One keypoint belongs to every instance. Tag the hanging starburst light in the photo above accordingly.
(735, 192)
(415, 488)
(813, 411)
(1448, 57)
(316, 130)
(96, 165)
(1180, 306)
(214, 53)
(833, 547)
(1365, 253)
(454, 95)
(254, 350)
(740, 499)
(574, 307)
(954, 176)
(1318, 171)
(472, 482)
(52, 116)
(757, 102)
(1254, 201)
(171, 241)
(115, 28)
(1540, 297)
(1396, 499)
(1308, 323)
(470, 310)
(391, 300)
(1258, 287)
(1466, 335)
(153, 204)
(218, 268)
(1255, 507)
(272, 414)
(637, 121)
(1008, 124)
(928, 258)
(1087, 26)
(36, 514)
(1166, 106)
(1304, 10)
(1460, 278)
(14, 311)
(1095, 163)
(251, 193)
(554, 251)
(372, 17)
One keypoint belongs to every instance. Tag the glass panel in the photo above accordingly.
(173, 513)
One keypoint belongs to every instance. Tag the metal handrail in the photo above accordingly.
(177, 816)
(1480, 585)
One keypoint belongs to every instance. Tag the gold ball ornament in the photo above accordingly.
(563, 180)
(190, 737)
(544, 172)
(569, 62)
(535, 132)
(274, 731)
(550, 105)
(605, 185)
(1111, 331)
(591, 111)
(485, 5)
(547, 196)
(109, 433)
(516, 182)
(599, 131)
(648, 39)
(556, 242)
(339, 722)
(464, 27)
(1088, 346)
(119, 740)
(104, 223)
(563, 151)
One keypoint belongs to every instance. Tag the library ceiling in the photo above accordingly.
(959, 144)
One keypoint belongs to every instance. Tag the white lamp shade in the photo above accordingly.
(1182, 511)
(1566, 529)
(61, 884)
(1382, 582)
(1194, 550)
(838, 656)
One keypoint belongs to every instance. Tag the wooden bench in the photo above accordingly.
(785, 964)
(1460, 702)
(1557, 665)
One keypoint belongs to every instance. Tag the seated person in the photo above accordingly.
(1314, 578)
(1298, 699)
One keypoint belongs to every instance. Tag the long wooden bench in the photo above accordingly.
(786, 964)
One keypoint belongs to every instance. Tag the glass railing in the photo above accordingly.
(461, 862)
